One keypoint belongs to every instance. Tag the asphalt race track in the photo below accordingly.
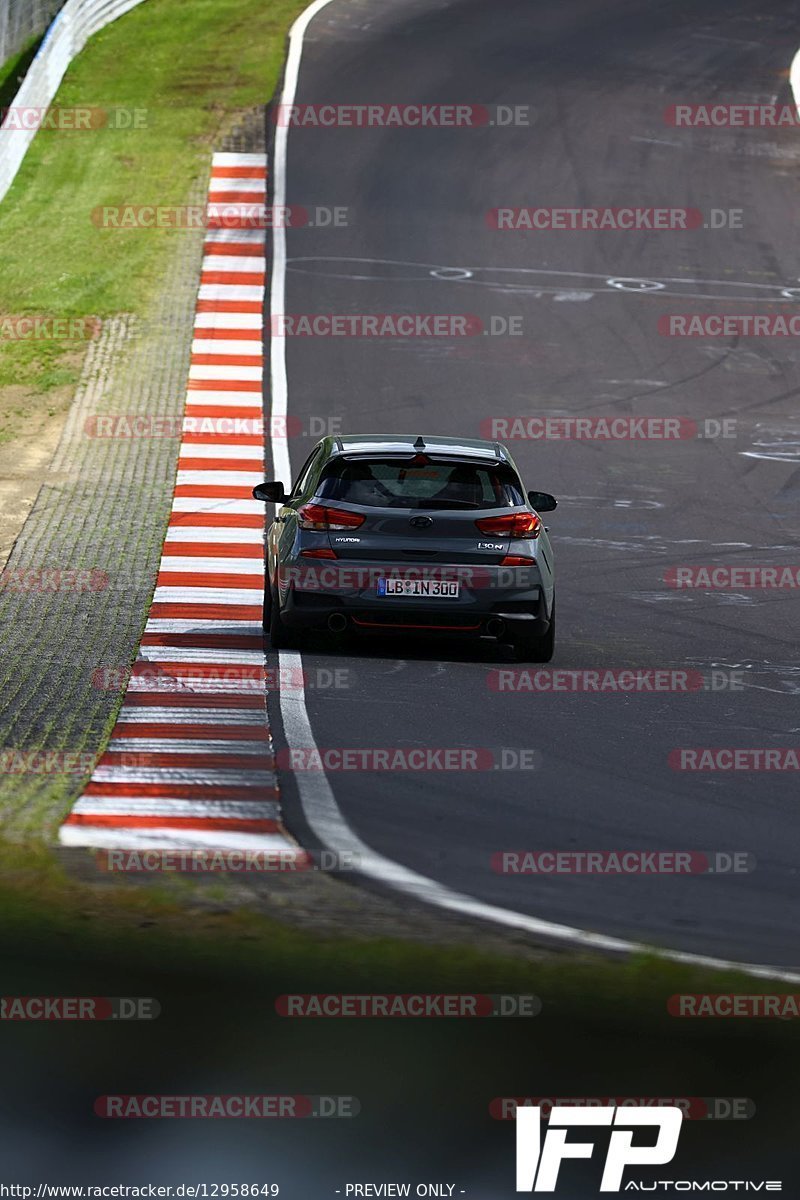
(596, 77)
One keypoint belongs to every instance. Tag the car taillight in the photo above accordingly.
(321, 552)
(518, 560)
(512, 525)
(319, 516)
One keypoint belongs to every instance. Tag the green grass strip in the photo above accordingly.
(188, 68)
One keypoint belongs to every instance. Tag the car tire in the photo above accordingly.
(540, 649)
(280, 638)
(267, 610)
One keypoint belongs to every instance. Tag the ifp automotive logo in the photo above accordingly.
(539, 1160)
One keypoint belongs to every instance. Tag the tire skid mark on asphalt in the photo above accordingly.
(189, 763)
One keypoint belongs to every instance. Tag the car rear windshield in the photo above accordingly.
(397, 483)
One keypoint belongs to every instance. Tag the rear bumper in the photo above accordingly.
(500, 601)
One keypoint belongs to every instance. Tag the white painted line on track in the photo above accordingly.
(172, 562)
(221, 449)
(202, 625)
(231, 373)
(794, 79)
(211, 478)
(148, 714)
(172, 776)
(207, 595)
(246, 346)
(236, 158)
(194, 688)
(220, 182)
(218, 397)
(265, 810)
(200, 505)
(254, 237)
(129, 744)
(230, 320)
(175, 839)
(231, 291)
(209, 533)
(231, 262)
(201, 654)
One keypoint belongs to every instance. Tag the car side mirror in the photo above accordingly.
(269, 492)
(542, 501)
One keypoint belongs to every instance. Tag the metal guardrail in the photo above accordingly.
(23, 20)
(74, 25)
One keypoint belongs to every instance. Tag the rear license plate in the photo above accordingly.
(430, 589)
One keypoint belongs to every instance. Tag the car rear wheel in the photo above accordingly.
(280, 637)
(539, 649)
(267, 613)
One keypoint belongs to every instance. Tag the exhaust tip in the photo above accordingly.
(337, 623)
(495, 627)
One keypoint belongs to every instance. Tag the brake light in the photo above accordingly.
(518, 560)
(511, 525)
(319, 516)
(322, 552)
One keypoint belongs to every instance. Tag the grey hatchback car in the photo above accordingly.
(390, 534)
